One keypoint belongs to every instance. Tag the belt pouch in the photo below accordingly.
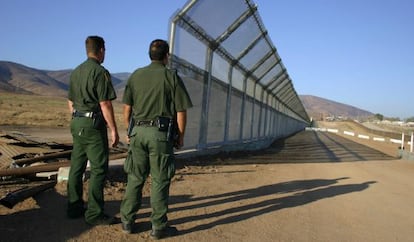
(163, 123)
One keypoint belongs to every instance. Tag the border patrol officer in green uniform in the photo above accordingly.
(90, 102)
(154, 95)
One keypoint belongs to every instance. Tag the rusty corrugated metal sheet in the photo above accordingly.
(10, 151)
(12, 145)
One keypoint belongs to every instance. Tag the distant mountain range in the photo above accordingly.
(18, 78)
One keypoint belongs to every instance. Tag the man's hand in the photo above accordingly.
(181, 123)
(179, 143)
(114, 138)
(108, 113)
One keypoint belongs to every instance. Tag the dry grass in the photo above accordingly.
(42, 111)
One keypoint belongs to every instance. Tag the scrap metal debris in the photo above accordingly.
(23, 158)
(14, 197)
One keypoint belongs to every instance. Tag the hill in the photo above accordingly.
(21, 79)
(319, 109)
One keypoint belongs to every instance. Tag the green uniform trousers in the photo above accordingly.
(151, 153)
(88, 144)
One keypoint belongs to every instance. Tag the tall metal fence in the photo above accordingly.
(241, 91)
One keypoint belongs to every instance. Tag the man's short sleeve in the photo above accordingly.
(105, 89)
(127, 98)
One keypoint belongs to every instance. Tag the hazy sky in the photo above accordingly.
(356, 52)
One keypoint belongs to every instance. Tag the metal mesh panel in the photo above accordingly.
(269, 122)
(256, 119)
(240, 39)
(276, 125)
(190, 49)
(217, 109)
(255, 54)
(258, 93)
(272, 123)
(207, 14)
(247, 119)
(250, 87)
(194, 87)
(237, 79)
(262, 120)
(263, 68)
(235, 115)
(220, 68)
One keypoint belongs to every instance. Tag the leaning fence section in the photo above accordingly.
(241, 91)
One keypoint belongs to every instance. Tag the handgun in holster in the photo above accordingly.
(170, 126)
(130, 125)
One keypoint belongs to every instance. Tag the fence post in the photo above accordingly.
(412, 139)
(402, 141)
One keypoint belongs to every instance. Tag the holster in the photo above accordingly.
(98, 121)
(167, 124)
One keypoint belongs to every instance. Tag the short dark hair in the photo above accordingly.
(94, 43)
(158, 49)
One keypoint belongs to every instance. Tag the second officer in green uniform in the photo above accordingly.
(154, 95)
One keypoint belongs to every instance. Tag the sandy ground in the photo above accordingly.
(309, 187)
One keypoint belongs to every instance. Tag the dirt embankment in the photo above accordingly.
(385, 146)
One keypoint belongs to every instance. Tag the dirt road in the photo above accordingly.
(309, 187)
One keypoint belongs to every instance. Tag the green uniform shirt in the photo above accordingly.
(90, 83)
(154, 91)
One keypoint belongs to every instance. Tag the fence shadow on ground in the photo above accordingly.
(303, 147)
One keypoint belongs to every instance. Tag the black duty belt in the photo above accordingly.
(78, 114)
(146, 123)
